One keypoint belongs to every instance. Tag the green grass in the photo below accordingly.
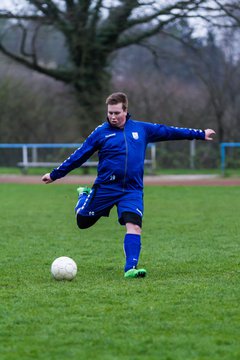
(230, 172)
(92, 171)
(40, 171)
(186, 308)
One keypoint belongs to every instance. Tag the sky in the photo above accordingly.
(6, 3)
(10, 4)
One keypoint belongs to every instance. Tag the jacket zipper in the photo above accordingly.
(125, 173)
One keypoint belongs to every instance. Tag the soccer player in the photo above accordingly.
(121, 144)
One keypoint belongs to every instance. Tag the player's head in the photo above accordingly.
(118, 98)
(117, 104)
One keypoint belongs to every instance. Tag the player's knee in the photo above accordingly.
(82, 225)
(84, 222)
(137, 229)
(133, 229)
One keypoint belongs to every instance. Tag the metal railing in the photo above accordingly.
(30, 155)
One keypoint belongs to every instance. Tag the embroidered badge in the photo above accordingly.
(135, 135)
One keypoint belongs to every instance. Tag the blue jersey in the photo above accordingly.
(121, 152)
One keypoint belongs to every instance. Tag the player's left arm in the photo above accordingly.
(209, 133)
(160, 132)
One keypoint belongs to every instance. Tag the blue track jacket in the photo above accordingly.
(121, 152)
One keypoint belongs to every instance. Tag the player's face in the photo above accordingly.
(116, 115)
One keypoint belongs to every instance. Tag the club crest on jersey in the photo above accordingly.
(135, 135)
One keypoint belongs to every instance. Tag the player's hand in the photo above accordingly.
(47, 179)
(209, 133)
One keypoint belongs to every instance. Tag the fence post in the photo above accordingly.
(223, 156)
(25, 158)
(25, 154)
(153, 156)
(34, 154)
(192, 154)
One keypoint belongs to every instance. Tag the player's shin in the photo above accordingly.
(83, 193)
(132, 248)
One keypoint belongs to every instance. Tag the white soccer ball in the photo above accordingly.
(64, 268)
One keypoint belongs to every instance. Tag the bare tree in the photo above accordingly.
(232, 10)
(219, 73)
(93, 30)
(193, 79)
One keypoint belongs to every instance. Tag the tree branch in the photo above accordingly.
(96, 15)
(65, 76)
(116, 23)
(167, 10)
(9, 15)
(69, 4)
(138, 36)
(50, 10)
(23, 41)
(229, 9)
(33, 43)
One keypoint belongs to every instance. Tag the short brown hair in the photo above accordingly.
(117, 98)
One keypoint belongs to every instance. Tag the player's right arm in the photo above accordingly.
(47, 178)
(75, 160)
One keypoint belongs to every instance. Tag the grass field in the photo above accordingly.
(186, 308)
(229, 172)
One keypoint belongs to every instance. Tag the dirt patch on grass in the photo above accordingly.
(162, 180)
